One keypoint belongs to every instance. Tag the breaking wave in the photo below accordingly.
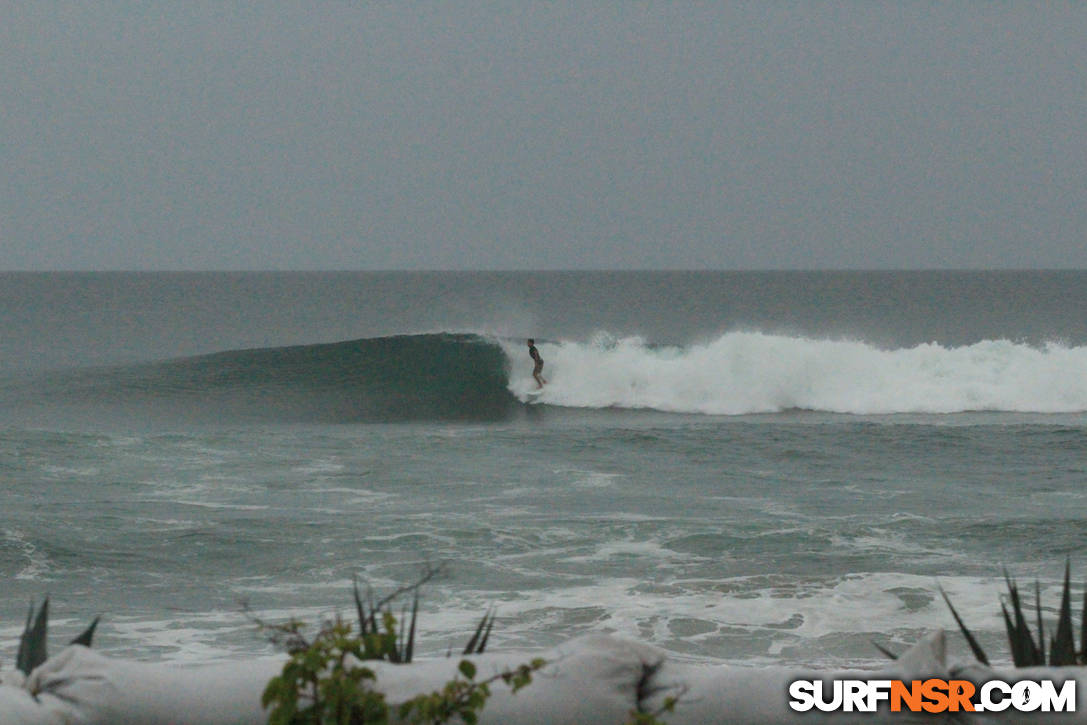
(448, 376)
(740, 373)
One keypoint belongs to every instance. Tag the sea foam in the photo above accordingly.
(750, 372)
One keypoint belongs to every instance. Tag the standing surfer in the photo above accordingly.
(537, 369)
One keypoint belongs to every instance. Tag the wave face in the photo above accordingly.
(741, 373)
(406, 377)
(472, 377)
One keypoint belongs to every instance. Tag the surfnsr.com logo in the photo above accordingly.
(932, 695)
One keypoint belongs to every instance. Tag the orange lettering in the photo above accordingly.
(935, 692)
(910, 695)
(959, 694)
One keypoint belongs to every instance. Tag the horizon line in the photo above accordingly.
(545, 270)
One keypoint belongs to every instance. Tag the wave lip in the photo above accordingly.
(749, 372)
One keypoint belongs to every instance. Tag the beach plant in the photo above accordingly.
(325, 680)
(652, 717)
(33, 649)
(463, 696)
(323, 683)
(642, 714)
(1026, 651)
(318, 683)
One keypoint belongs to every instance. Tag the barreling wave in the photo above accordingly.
(742, 373)
(405, 377)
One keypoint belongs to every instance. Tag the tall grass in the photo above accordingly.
(1027, 648)
(33, 649)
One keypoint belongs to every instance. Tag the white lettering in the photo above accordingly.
(878, 690)
(1026, 696)
(988, 704)
(854, 696)
(1062, 701)
(802, 693)
(835, 702)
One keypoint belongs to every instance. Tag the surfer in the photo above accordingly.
(537, 369)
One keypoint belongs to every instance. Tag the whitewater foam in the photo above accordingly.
(749, 372)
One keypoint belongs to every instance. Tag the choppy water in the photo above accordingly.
(758, 468)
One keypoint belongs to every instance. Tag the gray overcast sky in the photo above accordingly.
(356, 135)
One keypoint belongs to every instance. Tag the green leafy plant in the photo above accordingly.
(324, 680)
(319, 684)
(463, 697)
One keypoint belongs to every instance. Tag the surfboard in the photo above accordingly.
(533, 395)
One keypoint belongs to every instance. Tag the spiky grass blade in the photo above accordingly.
(979, 653)
(883, 650)
(32, 647)
(360, 610)
(1018, 656)
(487, 632)
(1083, 629)
(409, 650)
(1022, 633)
(88, 634)
(374, 629)
(21, 655)
(471, 647)
(1063, 648)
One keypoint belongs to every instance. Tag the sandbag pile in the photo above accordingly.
(593, 679)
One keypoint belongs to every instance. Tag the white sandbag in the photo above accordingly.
(595, 679)
(588, 680)
(89, 688)
(18, 707)
(591, 679)
(736, 695)
(598, 679)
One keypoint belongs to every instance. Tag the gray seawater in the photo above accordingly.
(776, 467)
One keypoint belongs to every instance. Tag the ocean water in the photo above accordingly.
(744, 467)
